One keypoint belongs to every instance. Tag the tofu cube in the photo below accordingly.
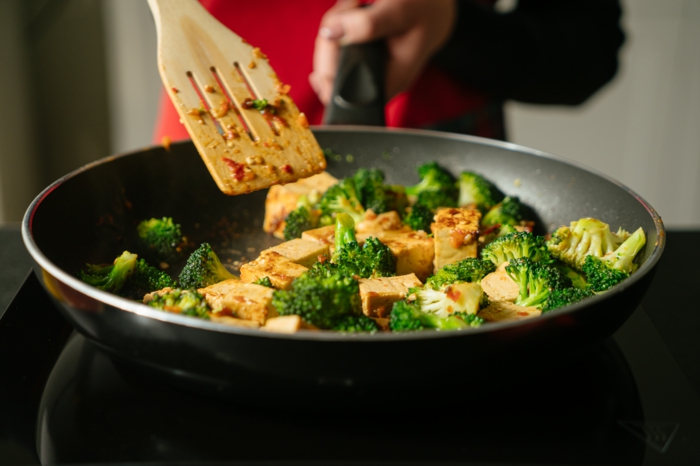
(301, 251)
(236, 322)
(504, 311)
(286, 324)
(373, 223)
(282, 199)
(280, 270)
(499, 286)
(379, 294)
(456, 234)
(245, 301)
(413, 251)
(324, 235)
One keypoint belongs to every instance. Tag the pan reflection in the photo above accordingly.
(95, 409)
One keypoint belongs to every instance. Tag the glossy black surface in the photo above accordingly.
(595, 409)
(134, 417)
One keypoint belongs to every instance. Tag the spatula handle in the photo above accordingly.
(358, 90)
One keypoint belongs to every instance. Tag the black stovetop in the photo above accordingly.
(627, 401)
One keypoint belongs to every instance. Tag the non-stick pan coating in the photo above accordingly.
(89, 216)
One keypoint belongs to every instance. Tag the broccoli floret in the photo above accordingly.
(600, 276)
(472, 320)
(536, 281)
(304, 217)
(584, 237)
(378, 261)
(324, 268)
(187, 302)
(203, 268)
(373, 259)
(467, 270)
(604, 272)
(406, 317)
(419, 218)
(145, 279)
(578, 280)
(298, 221)
(110, 277)
(623, 257)
(323, 301)
(475, 189)
(506, 212)
(396, 199)
(355, 324)
(371, 191)
(341, 198)
(515, 246)
(459, 297)
(163, 238)
(377, 196)
(504, 230)
(437, 187)
(564, 297)
(264, 281)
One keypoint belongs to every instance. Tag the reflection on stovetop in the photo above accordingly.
(623, 402)
(95, 409)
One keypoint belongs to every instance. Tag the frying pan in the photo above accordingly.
(90, 215)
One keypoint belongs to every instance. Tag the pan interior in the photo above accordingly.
(90, 216)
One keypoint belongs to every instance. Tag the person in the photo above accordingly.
(451, 63)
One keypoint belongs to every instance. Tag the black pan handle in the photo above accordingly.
(358, 90)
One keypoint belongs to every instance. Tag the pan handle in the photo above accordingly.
(358, 90)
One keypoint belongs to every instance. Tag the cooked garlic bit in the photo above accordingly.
(283, 89)
(254, 160)
(302, 120)
(222, 110)
(272, 144)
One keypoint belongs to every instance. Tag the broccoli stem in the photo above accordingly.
(344, 230)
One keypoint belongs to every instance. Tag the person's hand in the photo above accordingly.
(413, 30)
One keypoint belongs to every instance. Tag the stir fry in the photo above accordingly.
(361, 255)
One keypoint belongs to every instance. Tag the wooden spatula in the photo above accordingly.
(237, 112)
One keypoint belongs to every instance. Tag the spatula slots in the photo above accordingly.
(239, 115)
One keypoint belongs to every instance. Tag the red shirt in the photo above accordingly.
(285, 31)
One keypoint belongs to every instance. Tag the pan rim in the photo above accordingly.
(123, 304)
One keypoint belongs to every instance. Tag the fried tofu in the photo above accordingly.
(283, 324)
(236, 322)
(324, 235)
(301, 251)
(282, 199)
(413, 251)
(286, 324)
(498, 285)
(504, 311)
(456, 235)
(373, 223)
(280, 270)
(245, 301)
(379, 294)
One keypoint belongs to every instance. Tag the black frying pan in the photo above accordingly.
(89, 216)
